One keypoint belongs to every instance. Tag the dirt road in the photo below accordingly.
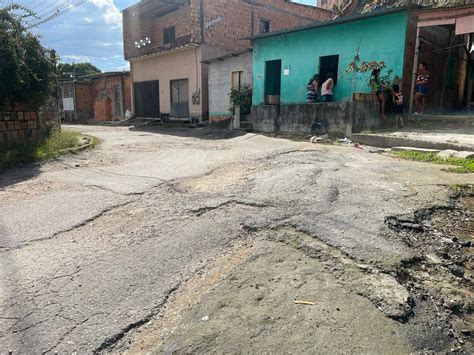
(198, 240)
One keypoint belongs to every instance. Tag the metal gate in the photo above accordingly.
(147, 99)
(180, 98)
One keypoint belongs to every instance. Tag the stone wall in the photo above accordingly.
(334, 118)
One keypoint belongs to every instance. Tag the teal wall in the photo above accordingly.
(379, 38)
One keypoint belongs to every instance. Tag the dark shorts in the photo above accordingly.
(326, 98)
(422, 89)
(378, 92)
(398, 109)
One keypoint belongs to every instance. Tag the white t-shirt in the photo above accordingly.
(326, 88)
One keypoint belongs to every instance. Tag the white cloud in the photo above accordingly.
(126, 66)
(107, 44)
(112, 15)
(76, 58)
(88, 19)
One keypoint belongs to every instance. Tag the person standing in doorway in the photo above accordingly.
(326, 88)
(377, 90)
(421, 88)
(312, 89)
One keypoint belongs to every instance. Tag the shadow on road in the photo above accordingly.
(205, 133)
(16, 175)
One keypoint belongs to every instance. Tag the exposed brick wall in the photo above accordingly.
(84, 103)
(228, 22)
(128, 93)
(103, 96)
(95, 99)
(18, 125)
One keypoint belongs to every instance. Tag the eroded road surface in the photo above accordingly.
(173, 240)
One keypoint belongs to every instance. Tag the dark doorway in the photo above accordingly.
(180, 98)
(329, 64)
(272, 81)
(147, 99)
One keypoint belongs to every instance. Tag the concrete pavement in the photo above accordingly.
(93, 245)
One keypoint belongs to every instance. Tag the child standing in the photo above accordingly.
(398, 105)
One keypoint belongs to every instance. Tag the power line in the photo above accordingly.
(58, 12)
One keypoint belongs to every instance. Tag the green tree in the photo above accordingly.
(66, 71)
(27, 69)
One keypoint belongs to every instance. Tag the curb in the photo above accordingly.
(80, 148)
(389, 142)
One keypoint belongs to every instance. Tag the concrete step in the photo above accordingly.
(447, 118)
(388, 141)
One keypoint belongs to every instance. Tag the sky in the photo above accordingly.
(91, 32)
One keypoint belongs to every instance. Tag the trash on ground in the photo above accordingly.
(320, 139)
(304, 302)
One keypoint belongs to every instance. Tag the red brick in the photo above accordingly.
(235, 24)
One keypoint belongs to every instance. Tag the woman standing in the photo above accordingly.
(421, 88)
(312, 89)
(377, 90)
(326, 88)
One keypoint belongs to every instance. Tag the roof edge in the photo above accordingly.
(338, 21)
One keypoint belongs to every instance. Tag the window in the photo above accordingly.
(324, 2)
(237, 79)
(169, 35)
(329, 64)
(264, 26)
(68, 91)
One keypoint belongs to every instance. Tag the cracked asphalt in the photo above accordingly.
(93, 245)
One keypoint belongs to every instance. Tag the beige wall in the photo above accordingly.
(180, 64)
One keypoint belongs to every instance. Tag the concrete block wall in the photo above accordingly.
(337, 119)
(18, 125)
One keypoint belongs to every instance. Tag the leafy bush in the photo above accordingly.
(27, 69)
(242, 97)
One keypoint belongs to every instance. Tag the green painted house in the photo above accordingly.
(283, 62)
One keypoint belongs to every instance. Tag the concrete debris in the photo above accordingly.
(464, 154)
(448, 153)
(345, 141)
(320, 139)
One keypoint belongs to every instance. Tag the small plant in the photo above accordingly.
(356, 66)
(460, 165)
(53, 145)
(241, 97)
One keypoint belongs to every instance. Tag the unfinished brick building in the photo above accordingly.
(167, 41)
(97, 97)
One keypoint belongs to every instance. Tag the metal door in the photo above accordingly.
(180, 98)
(147, 99)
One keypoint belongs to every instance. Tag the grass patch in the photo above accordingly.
(462, 166)
(49, 147)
